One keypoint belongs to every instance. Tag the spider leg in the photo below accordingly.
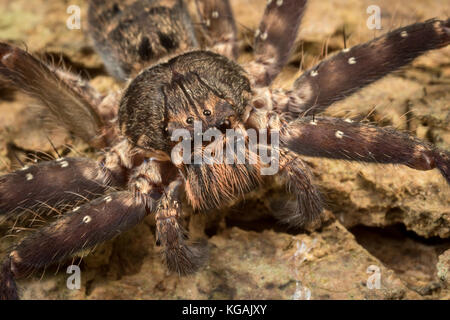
(52, 183)
(179, 255)
(66, 181)
(352, 69)
(274, 39)
(71, 100)
(83, 228)
(162, 180)
(107, 107)
(218, 22)
(308, 204)
(344, 139)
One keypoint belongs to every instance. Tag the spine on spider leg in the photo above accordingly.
(68, 101)
(218, 21)
(81, 229)
(274, 38)
(344, 139)
(351, 69)
(52, 184)
(180, 255)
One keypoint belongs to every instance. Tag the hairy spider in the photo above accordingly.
(136, 175)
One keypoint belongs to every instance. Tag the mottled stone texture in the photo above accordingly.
(387, 218)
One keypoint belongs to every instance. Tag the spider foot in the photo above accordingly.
(181, 256)
(308, 205)
(186, 258)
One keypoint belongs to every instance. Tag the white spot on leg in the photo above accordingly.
(24, 168)
(76, 209)
(207, 22)
(264, 36)
(346, 50)
(339, 134)
(314, 73)
(6, 56)
(215, 14)
(269, 2)
(404, 34)
(29, 176)
(348, 120)
(257, 33)
(60, 159)
(313, 122)
(108, 199)
(64, 164)
(87, 219)
(279, 3)
(352, 60)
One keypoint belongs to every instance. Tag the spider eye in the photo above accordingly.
(207, 112)
(190, 120)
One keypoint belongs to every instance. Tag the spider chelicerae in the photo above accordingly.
(171, 85)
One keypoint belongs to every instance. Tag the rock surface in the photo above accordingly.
(389, 223)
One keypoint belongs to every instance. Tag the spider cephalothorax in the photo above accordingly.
(171, 92)
(196, 86)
